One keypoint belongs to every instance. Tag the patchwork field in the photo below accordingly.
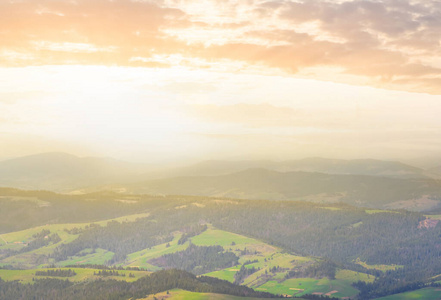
(271, 264)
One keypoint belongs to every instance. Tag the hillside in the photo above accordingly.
(115, 289)
(274, 246)
(64, 172)
(259, 264)
(368, 191)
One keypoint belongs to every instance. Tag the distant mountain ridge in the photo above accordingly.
(360, 190)
(316, 179)
(315, 164)
(61, 171)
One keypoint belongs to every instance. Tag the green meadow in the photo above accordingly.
(426, 294)
(302, 286)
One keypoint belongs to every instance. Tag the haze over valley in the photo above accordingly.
(179, 149)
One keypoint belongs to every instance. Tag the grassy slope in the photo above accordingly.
(426, 294)
(267, 257)
(340, 287)
(17, 240)
(99, 257)
(301, 286)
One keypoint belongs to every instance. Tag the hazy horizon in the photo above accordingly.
(174, 81)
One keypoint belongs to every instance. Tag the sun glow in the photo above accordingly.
(150, 112)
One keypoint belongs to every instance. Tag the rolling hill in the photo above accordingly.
(371, 167)
(64, 172)
(361, 190)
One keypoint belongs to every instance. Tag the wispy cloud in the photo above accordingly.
(391, 44)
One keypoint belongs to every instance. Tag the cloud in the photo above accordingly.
(385, 43)
(252, 115)
(58, 32)
(264, 117)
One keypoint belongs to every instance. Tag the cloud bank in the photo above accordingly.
(385, 43)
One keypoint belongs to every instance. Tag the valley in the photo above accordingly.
(283, 248)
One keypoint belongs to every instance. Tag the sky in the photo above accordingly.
(179, 80)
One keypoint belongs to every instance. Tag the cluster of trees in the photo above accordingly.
(319, 270)
(310, 229)
(120, 238)
(74, 230)
(104, 267)
(56, 273)
(62, 208)
(386, 286)
(192, 231)
(197, 259)
(113, 289)
(128, 237)
(243, 273)
(105, 273)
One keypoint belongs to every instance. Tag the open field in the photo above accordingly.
(302, 286)
(25, 276)
(352, 276)
(222, 238)
(426, 294)
(225, 274)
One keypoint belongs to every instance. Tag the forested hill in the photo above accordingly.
(341, 233)
(113, 289)
(24, 209)
(360, 190)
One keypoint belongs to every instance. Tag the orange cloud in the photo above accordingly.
(391, 44)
